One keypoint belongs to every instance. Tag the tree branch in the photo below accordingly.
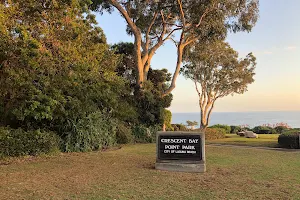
(181, 13)
(126, 16)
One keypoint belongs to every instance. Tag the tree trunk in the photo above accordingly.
(164, 127)
(203, 121)
(138, 59)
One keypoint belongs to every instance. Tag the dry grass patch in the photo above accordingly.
(129, 173)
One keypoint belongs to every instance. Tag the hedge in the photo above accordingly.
(223, 126)
(179, 127)
(289, 140)
(214, 133)
(144, 134)
(17, 142)
(264, 130)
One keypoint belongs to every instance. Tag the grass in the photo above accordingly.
(263, 140)
(128, 173)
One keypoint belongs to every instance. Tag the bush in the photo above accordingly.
(17, 142)
(94, 132)
(179, 127)
(167, 116)
(264, 130)
(214, 133)
(143, 134)
(235, 129)
(289, 140)
(225, 127)
(124, 134)
(280, 129)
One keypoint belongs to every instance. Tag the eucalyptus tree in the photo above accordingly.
(153, 22)
(192, 124)
(217, 71)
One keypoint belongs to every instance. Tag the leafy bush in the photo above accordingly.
(264, 130)
(280, 129)
(94, 132)
(124, 134)
(235, 129)
(17, 142)
(225, 127)
(179, 127)
(167, 116)
(214, 133)
(143, 134)
(289, 140)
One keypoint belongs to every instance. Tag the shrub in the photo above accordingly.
(124, 134)
(235, 129)
(289, 140)
(280, 129)
(264, 130)
(179, 127)
(17, 142)
(225, 127)
(143, 134)
(214, 133)
(94, 132)
(167, 116)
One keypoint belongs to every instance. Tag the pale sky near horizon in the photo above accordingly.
(275, 41)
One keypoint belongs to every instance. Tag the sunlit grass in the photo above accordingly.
(128, 173)
(263, 140)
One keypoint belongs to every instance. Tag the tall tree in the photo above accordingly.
(217, 72)
(149, 103)
(153, 22)
(192, 124)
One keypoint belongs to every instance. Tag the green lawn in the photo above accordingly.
(263, 140)
(128, 173)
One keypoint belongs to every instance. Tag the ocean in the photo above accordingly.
(292, 118)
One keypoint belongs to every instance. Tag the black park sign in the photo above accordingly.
(179, 147)
(180, 151)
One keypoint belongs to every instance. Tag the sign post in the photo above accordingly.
(180, 151)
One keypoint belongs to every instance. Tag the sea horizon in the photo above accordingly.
(250, 118)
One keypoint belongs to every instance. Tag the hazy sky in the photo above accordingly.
(275, 41)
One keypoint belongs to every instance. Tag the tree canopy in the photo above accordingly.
(152, 23)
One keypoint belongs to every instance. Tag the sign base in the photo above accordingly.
(196, 167)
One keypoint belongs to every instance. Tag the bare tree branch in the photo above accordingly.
(181, 13)
(125, 14)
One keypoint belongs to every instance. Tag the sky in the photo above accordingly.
(275, 41)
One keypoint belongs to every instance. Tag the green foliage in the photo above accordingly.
(217, 71)
(191, 124)
(291, 131)
(179, 127)
(235, 129)
(290, 139)
(94, 132)
(214, 133)
(167, 116)
(281, 129)
(152, 23)
(17, 142)
(58, 73)
(149, 103)
(222, 126)
(143, 134)
(264, 130)
(124, 134)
